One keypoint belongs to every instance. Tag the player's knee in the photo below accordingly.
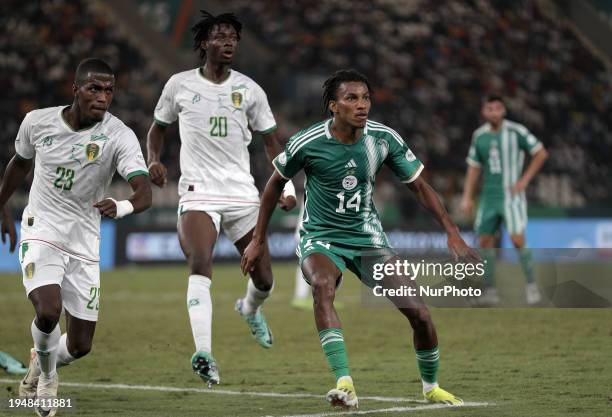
(201, 264)
(518, 241)
(420, 318)
(48, 316)
(80, 349)
(323, 288)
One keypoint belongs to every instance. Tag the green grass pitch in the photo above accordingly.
(536, 362)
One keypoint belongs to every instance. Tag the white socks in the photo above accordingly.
(46, 348)
(254, 298)
(63, 356)
(199, 306)
(427, 386)
(302, 289)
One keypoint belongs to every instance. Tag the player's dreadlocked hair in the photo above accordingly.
(330, 86)
(202, 29)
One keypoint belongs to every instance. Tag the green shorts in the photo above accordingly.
(492, 212)
(343, 256)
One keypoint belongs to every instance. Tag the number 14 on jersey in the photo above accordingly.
(352, 203)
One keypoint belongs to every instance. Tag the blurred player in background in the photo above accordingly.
(340, 157)
(217, 108)
(76, 150)
(498, 148)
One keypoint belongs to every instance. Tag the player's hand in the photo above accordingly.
(158, 174)
(518, 187)
(107, 208)
(460, 249)
(251, 256)
(467, 206)
(287, 203)
(8, 227)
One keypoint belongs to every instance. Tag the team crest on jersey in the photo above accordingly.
(30, 269)
(92, 150)
(196, 98)
(410, 156)
(237, 99)
(349, 182)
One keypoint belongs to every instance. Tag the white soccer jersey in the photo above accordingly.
(214, 121)
(72, 172)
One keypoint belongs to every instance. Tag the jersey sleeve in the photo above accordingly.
(528, 142)
(167, 110)
(290, 161)
(474, 158)
(129, 159)
(23, 141)
(401, 160)
(259, 113)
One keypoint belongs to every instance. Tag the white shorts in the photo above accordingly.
(79, 281)
(237, 219)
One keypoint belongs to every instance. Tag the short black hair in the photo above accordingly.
(91, 65)
(202, 29)
(330, 86)
(490, 98)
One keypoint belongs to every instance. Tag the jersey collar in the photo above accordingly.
(207, 81)
(328, 134)
(69, 128)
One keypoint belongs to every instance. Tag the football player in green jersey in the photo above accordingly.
(341, 157)
(498, 149)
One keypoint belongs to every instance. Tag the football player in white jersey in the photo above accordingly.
(217, 109)
(77, 149)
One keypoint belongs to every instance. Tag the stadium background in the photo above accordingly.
(430, 63)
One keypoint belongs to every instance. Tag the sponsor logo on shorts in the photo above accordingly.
(29, 270)
(282, 158)
(349, 182)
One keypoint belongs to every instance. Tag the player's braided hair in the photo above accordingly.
(330, 86)
(202, 29)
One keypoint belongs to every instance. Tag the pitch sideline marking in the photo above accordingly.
(388, 410)
(160, 388)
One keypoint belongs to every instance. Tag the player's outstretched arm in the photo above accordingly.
(534, 166)
(254, 250)
(471, 177)
(430, 200)
(155, 144)
(140, 200)
(287, 200)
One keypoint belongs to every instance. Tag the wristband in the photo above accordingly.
(289, 189)
(124, 207)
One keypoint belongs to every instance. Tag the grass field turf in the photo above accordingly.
(537, 362)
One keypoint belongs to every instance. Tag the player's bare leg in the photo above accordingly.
(197, 236)
(532, 291)
(323, 275)
(425, 340)
(259, 288)
(41, 380)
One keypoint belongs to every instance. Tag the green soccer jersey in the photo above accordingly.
(501, 155)
(340, 178)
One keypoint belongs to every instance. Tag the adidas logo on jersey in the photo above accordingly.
(351, 164)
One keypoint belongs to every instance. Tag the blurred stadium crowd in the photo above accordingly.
(430, 65)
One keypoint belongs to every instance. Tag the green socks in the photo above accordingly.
(332, 342)
(429, 362)
(488, 256)
(527, 264)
